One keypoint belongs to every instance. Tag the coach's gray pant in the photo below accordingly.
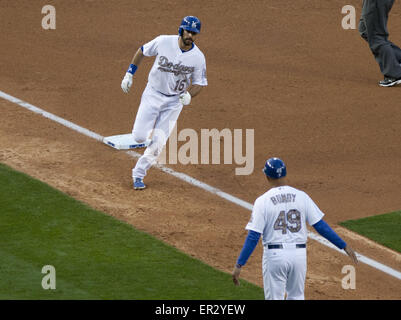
(373, 28)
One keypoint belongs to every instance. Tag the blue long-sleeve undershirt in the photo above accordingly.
(250, 244)
(325, 231)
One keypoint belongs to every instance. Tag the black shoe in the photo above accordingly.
(389, 82)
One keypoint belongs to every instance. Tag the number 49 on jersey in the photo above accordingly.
(290, 221)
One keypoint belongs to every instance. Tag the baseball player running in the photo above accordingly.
(281, 215)
(177, 75)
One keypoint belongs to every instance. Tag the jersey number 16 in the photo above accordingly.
(180, 85)
(290, 221)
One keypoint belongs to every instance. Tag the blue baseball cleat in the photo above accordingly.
(138, 184)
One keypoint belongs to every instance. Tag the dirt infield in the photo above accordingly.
(285, 69)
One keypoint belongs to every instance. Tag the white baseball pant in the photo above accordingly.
(284, 271)
(159, 113)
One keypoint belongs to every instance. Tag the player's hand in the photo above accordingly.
(127, 82)
(185, 98)
(236, 273)
(351, 254)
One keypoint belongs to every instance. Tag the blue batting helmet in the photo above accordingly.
(190, 23)
(275, 168)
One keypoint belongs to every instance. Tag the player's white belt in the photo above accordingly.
(286, 246)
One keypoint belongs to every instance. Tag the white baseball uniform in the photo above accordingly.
(171, 74)
(280, 215)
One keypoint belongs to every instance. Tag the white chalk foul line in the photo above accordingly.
(191, 180)
(51, 116)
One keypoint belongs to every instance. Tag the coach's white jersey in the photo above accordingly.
(174, 70)
(280, 215)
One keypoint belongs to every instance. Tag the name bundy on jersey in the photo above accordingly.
(280, 198)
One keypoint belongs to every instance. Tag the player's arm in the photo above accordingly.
(194, 90)
(249, 246)
(255, 226)
(199, 80)
(325, 231)
(135, 62)
(187, 96)
(138, 56)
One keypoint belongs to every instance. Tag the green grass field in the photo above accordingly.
(95, 255)
(384, 229)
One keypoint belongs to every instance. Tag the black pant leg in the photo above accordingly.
(375, 17)
(397, 52)
(363, 30)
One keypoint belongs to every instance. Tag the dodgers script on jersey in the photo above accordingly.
(281, 213)
(174, 70)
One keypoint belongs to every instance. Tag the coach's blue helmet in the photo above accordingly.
(190, 23)
(275, 168)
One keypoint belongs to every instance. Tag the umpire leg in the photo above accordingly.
(373, 28)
